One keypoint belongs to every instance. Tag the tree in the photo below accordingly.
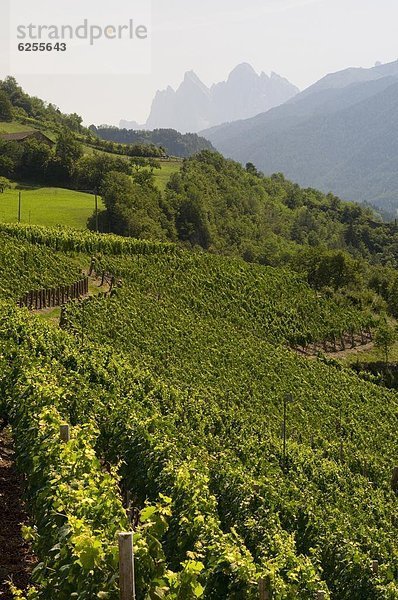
(386, 336)
(68, 151)
(10, 158)
(34, 160)
(92, 169)
(5, 184)
(73, 122)
(133, 210)
(5, 107)
(328, 268)
(252, 169)
(16, 95)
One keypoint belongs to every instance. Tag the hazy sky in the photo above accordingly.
(299, 39)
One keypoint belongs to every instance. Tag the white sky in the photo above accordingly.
(299, 39)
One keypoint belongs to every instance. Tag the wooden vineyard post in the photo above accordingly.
(263, 589)
(394, 480)
(64, 433)
(126, 566)
(375, 567)
(62, 319)
(320, 595)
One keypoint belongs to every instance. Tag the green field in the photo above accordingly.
(48, 206)
(58, 206)
(168, 168)
(13, 127)
(161, 176)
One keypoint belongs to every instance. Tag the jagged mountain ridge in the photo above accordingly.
(194, 106)
(338, 135)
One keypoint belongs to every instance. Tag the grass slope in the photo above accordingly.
(169, 167)
(162, 176)
(48, 206)
(13, 127)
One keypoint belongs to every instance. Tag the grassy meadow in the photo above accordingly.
(59, 206)
(48, 206)
(13, 127)
(168, 168)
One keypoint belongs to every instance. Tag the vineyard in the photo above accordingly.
(245, 470)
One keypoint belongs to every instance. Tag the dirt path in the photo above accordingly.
(16, 560)
(339, 353)
(357, 350)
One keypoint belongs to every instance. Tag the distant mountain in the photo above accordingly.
(194, 106)
(130, 125)
(174, 143)
(339, 135)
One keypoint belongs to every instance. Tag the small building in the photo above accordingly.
(23, 136)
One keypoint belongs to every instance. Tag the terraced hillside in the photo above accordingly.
(243, 461)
